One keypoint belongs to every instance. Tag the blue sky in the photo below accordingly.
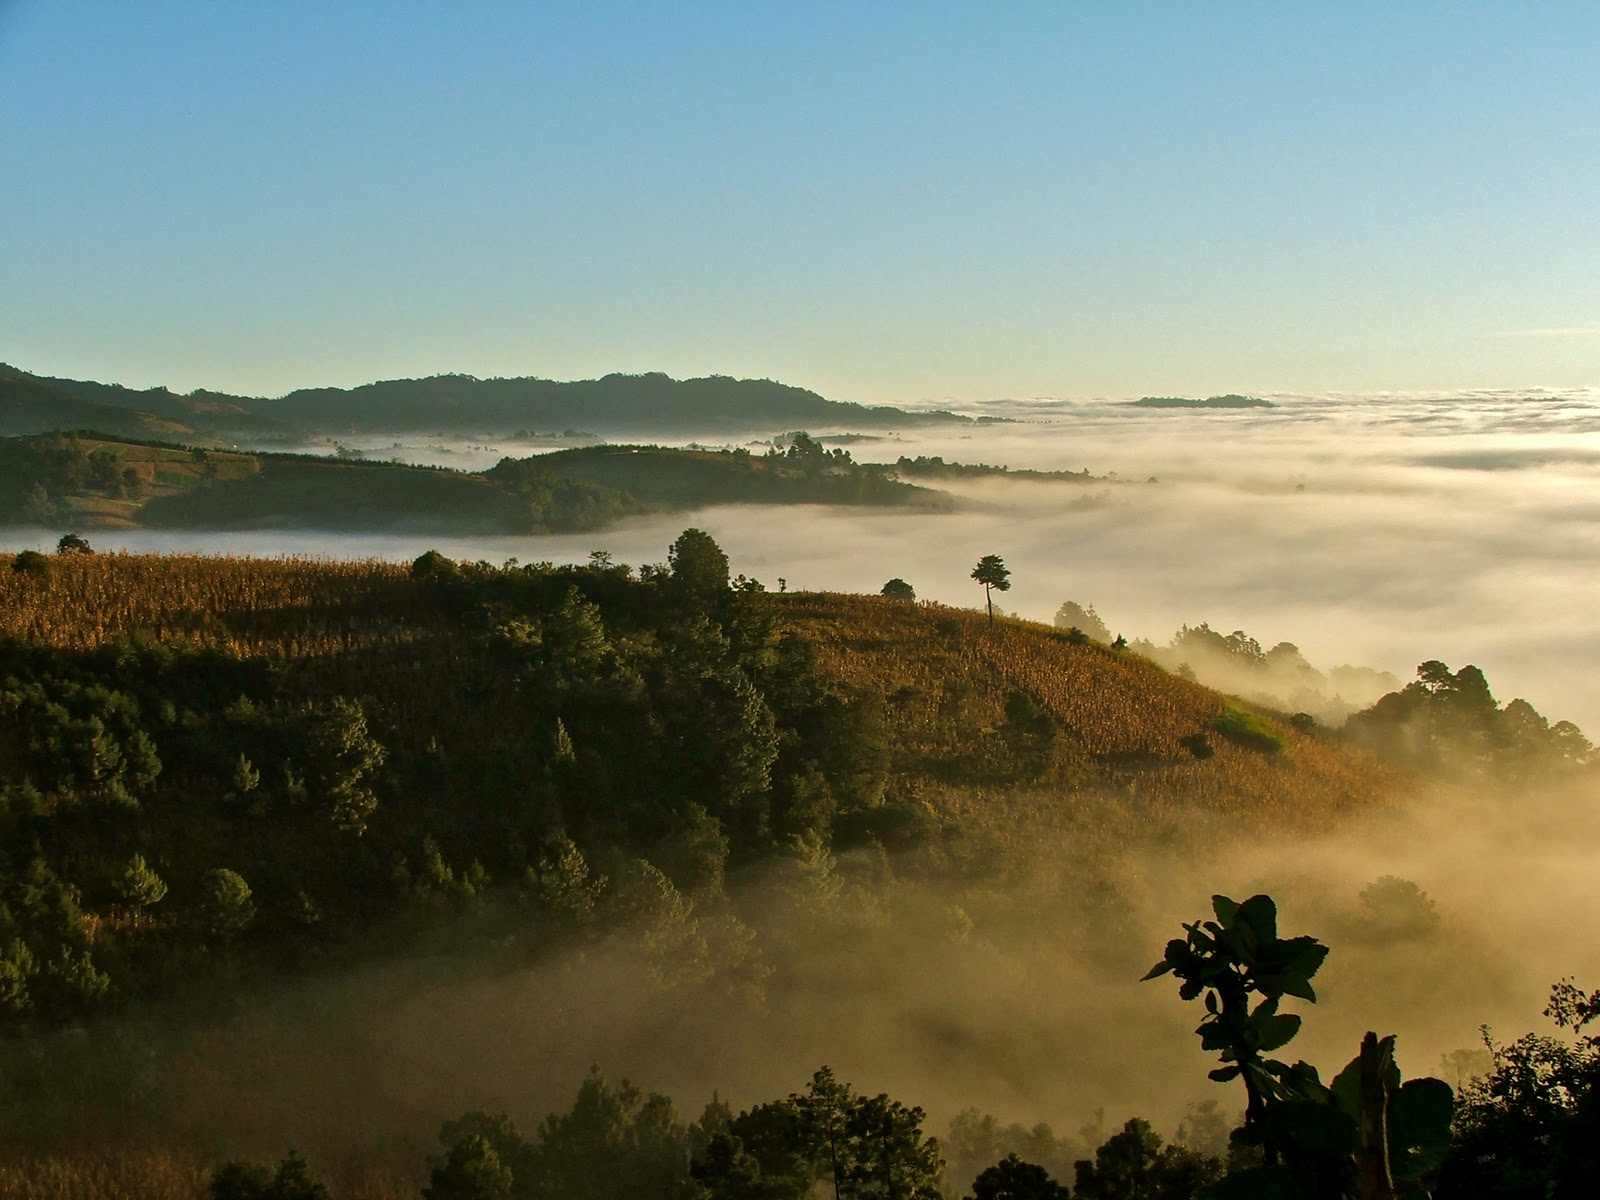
(886, 202)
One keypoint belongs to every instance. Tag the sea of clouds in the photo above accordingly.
(1375, 530)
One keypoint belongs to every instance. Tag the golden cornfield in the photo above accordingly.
(362, 625)
(1123, 714)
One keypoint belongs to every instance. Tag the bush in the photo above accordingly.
(433, 565)
(1248, 730)
(31, 562)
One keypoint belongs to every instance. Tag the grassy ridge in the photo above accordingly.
(966, 695)
(971, 710)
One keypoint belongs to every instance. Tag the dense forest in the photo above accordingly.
(220, 776)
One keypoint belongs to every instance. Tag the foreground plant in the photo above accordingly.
(1365, 1135)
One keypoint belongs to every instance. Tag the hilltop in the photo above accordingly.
(94, 481)
(615, 405)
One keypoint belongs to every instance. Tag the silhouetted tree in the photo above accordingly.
(247, 1181)
(853, 1146)
(899, 589)
(992, 572)
(699, 567)
(1013, 1179)
(72, 543)
(1530, 1127)
(1074, 616)
(1132, 1164)
(471, 1170)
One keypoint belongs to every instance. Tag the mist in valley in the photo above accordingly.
(1378, 532)
(1375, 531)
(1019, 995)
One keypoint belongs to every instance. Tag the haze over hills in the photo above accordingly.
(459, 404)
(92, 482)
(29, 405)
(358, 796)
(343, 819)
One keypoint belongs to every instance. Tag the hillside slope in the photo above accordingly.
(224, 777)
(1012, 722)
(30, 406)
(90, 481)
(971, 714)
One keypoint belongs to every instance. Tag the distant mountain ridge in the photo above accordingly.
(461, 404)
(30, 405)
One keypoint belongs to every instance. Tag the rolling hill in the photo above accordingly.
(616, 405)
(90, 481)
(223, 777)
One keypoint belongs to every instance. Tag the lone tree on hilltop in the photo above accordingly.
(899, 589)
(993, 573)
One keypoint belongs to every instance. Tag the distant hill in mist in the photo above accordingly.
(1231, 400)
(32, 405)
(450, 404)
(90, 481)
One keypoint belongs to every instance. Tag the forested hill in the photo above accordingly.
(29, 405)
(208, 762)
(86, 481)
(615, 405)
(223, 777)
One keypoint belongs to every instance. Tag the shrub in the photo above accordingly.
(1248, 730)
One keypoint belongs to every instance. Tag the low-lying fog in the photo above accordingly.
(1375, 531)
(1031, 1009)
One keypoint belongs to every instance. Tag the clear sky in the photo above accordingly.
(887, 202)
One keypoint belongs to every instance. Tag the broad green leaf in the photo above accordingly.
(1276, 1032)
(1260, 915)
(1346, 1088)
(1302, 955)
(1290, 984)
